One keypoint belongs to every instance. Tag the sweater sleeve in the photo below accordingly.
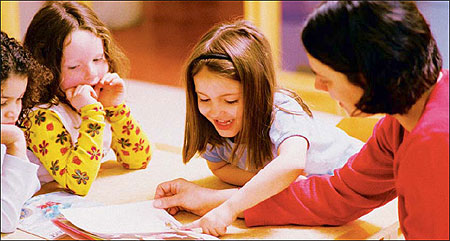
(73, 165)
(19, 183)
(365, 182)
(424, 183)
(129, 141)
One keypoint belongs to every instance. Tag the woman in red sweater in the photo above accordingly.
(372, 57)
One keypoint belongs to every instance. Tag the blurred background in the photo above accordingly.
(157, 36)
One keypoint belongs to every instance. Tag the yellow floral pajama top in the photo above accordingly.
(72, 153)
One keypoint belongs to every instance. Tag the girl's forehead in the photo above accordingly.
(78, 35)
(207, 81)
(14, 85)
(82, 40)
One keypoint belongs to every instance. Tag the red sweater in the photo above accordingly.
(413, 166)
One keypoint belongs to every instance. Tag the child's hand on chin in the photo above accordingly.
(81, 96)
(14, 140)
(110, 90)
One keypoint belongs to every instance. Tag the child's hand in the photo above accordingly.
(214, 222)
(14, 140)
(110, 90)
(81, 96)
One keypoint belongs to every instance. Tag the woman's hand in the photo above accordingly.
(81, 96)
(180, 194)
(110, 90)
(14, 140)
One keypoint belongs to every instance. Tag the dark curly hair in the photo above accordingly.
(384, 47)
(17, 60)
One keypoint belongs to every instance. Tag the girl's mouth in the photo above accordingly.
(223, 125)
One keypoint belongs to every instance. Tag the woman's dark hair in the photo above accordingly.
(17, 60)
(386, 48)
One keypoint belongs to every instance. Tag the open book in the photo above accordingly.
(39, 211)
(139, 220)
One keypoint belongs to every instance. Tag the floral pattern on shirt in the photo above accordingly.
(128, 140)
(75, 165)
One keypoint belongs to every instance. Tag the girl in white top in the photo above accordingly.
(19, 179)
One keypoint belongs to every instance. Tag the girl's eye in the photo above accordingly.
(203, 100)
(99, 59)
(232, 101)
(73, 67)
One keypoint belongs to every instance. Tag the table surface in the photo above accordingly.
(116, 185)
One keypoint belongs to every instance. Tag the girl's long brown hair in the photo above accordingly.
(250, 62)
(47, 32)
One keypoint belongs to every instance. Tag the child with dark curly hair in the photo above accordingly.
(19, 176)
(81, 119)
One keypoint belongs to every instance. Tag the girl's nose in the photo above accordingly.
(12, 113)
(214, 111)
(91, 75)
(91, 71)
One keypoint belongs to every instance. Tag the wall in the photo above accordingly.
(116, 15)
(294, 13)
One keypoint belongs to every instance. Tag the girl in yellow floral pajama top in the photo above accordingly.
(83, 114)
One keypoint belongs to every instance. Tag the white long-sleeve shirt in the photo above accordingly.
(18, 183)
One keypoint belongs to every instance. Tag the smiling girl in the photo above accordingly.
(251, 133)
(82, 114)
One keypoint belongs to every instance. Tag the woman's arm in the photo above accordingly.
(129, 141)
(365, 182)
(229, 173)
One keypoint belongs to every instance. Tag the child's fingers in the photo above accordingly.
(220, 231)
(210, 231)
(93, 93)
(78, 90)
(97, 88)
(106, 79)
(85, 90)
(200, 223)
(69, 93)
(213, 232)
(112, 79)
(116, 81)
(195, 224)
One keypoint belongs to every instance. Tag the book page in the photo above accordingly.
(115, 220)
(38, 211)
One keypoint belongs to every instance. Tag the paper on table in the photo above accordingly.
(38, 211)
(130, 218)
